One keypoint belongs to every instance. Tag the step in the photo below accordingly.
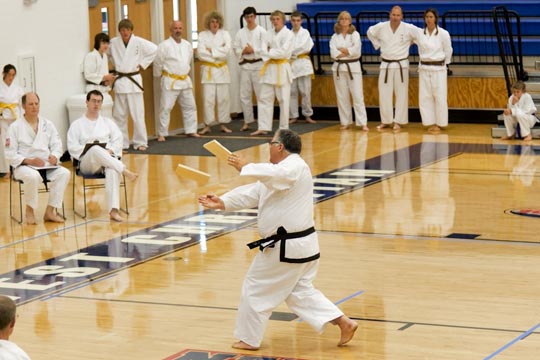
(499, 132)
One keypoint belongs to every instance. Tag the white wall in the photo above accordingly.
(56, 33)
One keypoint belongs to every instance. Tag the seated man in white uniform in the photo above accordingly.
(8, 317)
(34, 143)
(94, 128)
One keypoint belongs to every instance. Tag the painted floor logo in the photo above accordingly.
(216, 355)
(526, 212)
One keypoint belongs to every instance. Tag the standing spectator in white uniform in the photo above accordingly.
(286, 265)
(394, 38)
(130, 55)
(435, 50)
(96, 66)
(92, 127)
(302, 70)
(173, 64)
(249, 41)
(520, 110)
(214, 47)
(8, 317)
(10, 98)
(346, 49)
(276, 75)
(34, 143)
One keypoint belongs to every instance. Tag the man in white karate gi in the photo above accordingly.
(286, 265)
(173, 64)
(8, 317)
(248, 41)
(302, 70)
(94, 128)
(394, 38)
(130, 55)
(276, 75)
(34, 144)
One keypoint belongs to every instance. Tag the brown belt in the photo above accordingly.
(432, 63)
(400, 68)
(129, 76)
(346, 62)
(248, 61)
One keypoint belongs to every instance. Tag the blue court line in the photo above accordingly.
(520, 337)
(360, 292)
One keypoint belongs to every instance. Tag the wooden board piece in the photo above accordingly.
(218, 150)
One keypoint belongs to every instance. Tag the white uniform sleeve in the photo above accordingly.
(273, 176)
(242, 197)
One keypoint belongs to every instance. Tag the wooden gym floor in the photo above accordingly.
(421, 237)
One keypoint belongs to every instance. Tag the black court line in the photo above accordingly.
(291, 316)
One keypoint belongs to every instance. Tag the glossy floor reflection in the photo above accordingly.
(428, 240)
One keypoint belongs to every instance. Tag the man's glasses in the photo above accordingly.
(274, 142)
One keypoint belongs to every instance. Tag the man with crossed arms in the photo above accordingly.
(173, 64)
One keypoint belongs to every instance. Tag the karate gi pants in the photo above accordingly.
(265, 105)
(4, 164)
(386, 95)
(343, 85)
(432, 97)
(301, 85)
(211, 93)
(526, 123)
(186, 101)
(249, 82)
(59, 178)
(268, 283)
(134, 103)
(98, 158)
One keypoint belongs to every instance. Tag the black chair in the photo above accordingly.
(12, 180)
(89, 184)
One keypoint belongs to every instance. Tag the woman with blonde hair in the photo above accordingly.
(345, 50)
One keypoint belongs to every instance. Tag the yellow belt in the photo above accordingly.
(278, 62)
(211, 64)
(304, 56)
(174, 76)
(11, 107)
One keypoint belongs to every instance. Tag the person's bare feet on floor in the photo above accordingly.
(30, 217)
(206, 130)
(161, 138)
(114, 215)
(397, 127)
(195, 135)
(293, 120)
(142, 148)
(527, 138)
(131, 176)
(225, 129)
(52, 216)
(310, 120)
(511, 137)
(243, 346)
(345, 127)
(382, 126)
(347, 327)
(259, 132)
(245, 127)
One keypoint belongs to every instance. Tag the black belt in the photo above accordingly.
(129, 76)
(432, 63)
(93, 83)
(346, 62)
(400, 68)
(281, 234)
(248, 61)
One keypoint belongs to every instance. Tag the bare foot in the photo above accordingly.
(52, 216)
(382, 126)
(434, 128)
(259, 132)
(142, 148)
(130, 175)
(161, 138)
(206, 130)
(293, 120)
(511, 137)
(225, 129)
(347, 327)
(245, 127)
(195, 135)
(365, 128)
(527, 138)
(344, 127)
(397, 127)
(242, 345)
(30, 217)
(114, 215)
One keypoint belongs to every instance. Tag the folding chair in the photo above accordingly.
(89, 184)
(12, 180)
